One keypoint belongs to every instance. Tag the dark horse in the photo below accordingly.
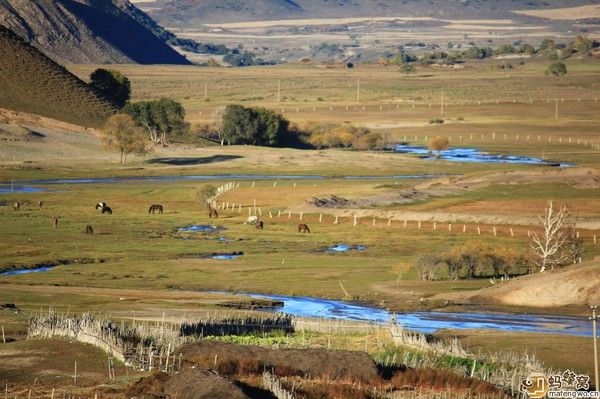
(260, 225)
(89, 230)
(107, 209)
(155, 208)
(212, 213)
(303, 228)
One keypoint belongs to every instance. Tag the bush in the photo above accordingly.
(473, 259)
(436, 121)
(556, 69)
(336, 136)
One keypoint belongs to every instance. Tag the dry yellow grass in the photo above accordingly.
(568, 13)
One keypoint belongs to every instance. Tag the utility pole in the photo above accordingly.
(442, 102)
(594, 320)
(279, 90)
(358, 90)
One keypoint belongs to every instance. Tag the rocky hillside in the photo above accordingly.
(88, 31)
(31, 82)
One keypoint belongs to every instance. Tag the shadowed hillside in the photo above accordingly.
(87, 31)
(31, 82)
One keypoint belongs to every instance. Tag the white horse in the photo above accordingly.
(251, 220)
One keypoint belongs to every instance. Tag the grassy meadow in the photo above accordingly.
(136, 263)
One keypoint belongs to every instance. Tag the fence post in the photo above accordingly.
(336, 221)
(494, 231)
(289, 214)
(354, 223)
(301, 215)
(478, 230)
(512, 233)
(320, 218)
(389, 222)
(373, 221)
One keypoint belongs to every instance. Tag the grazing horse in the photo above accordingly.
(101, 205)
(155, 208)
(89, 230)
(251, 220)
(260, 225)
(303, 228)
(212, 213)
(106, 209)
(40, 204)
(55, 223)
(17, 206)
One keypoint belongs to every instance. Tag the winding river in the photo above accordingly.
(428, 322)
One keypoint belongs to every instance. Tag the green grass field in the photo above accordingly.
(137, 262)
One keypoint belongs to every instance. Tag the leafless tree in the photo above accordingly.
(555, 245)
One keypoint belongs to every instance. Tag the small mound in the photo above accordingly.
(332, 202)
(316, 362)
(190, 383)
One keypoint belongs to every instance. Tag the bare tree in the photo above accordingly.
(438, 144)
(555, 245)
(122, 134)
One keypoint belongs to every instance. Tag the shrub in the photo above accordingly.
(556, 69)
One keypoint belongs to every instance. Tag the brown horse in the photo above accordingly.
(303, 228)
(55, 223)
(40, 204)
(260, 225)
(89, 230)
(17, 206)
(212, 213)
(155, 208)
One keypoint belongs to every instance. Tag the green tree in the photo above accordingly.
(162, 119)
(256, 126)
(557, 69)
(123, 135)
(583, 45)
(112, 85)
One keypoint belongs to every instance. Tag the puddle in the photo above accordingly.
(229, 256)
(475, 155)
(198, 228)
(345, 248)
(27, 271)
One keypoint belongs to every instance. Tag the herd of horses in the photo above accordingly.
(158, 208)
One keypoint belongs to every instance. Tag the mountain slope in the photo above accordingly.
(86, 31)
(31, 82)
(188, 13)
